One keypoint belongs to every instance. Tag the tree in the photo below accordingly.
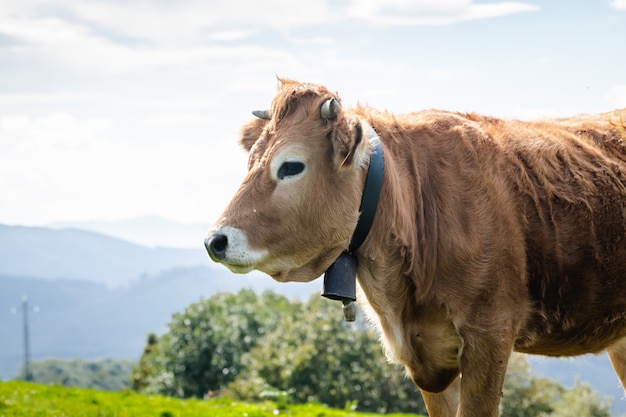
(146, 367)
(524, 395)
(581, 401)
(201, 352)
(315, 356)
(528, 396)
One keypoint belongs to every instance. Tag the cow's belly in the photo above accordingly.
(569, 337)
(577, 299)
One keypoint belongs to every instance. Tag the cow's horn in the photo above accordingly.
(262, 114)
(329, 109)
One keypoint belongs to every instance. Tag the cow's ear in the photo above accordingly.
(346, 139)
(250, 132)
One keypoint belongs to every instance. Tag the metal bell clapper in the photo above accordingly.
(340, 284)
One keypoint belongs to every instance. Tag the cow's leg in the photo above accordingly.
(443, 404)
(617, 355)
(483, 367)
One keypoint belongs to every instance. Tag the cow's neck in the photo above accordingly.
(386, 260)
(340, 278)
(392, 239)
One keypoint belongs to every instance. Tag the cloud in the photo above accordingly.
(53, 132)
(45, 159)
(196, 22)
(113, 109)
(189, 21)
(45, 30)
(231, 35)
(619, 4)
(82, 172)
(134, 36)
(81, 48)
(424, 12)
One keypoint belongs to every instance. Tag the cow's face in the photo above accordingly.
(297, 208)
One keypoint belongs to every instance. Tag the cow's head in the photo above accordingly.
(298, 206)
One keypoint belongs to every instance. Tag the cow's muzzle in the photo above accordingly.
(229, 246)
(216, 246)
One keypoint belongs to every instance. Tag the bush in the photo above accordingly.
(267, 347)
(315, 356)
(202, 350)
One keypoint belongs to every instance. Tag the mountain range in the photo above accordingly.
(98, 296)
(79, 254)
(148, 231)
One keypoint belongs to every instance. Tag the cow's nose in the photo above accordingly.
(216, 246)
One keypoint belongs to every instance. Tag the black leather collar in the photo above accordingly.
(371, 194)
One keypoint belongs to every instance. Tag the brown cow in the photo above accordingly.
(490, 235)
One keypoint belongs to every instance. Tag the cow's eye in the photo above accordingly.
(289, 168)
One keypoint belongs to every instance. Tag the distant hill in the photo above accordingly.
(80, 319)
(145, 231)
(78, 254)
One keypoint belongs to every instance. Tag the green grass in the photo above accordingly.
(22, 399)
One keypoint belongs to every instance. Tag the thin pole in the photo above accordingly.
(27, 374)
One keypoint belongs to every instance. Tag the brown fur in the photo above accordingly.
(491, 235)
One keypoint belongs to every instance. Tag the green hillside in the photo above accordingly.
(22, 399)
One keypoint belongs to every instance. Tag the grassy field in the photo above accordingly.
(22, 399)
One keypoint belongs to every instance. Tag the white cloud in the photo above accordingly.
(77, 46)
(44, 30)
(114, 109)
(231, 35)
(425, 12)
(12, 100)
(53, 132)
(617, 96)
(79, 170)
(45, 159)
(196, 21)
(619, 4)
(130, 37)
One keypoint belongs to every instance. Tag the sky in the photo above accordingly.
(127, 108)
